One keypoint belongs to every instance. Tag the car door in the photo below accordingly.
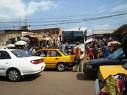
(53, 57)
(4, 62)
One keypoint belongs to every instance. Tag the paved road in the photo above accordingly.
(49, 83)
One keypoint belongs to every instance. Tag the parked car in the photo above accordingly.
(54, 58)
(116, 58)
(16, 63)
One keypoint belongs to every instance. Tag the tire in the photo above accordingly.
(13, 75)
(61, 67)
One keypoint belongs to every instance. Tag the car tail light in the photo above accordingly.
(37, 61)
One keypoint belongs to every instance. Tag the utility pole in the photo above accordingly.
(25, 21)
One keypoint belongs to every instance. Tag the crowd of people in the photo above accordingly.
(49, 42)
(99, 48)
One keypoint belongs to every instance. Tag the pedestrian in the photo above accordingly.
(30, 51)
(75, 48)
(95, 51)
(71, 52)
(105, 50)
(100, 52)
(33, 51)
(66, 48)
(79, 56)
(90, 53)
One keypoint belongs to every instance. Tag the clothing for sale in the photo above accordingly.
(114, 85)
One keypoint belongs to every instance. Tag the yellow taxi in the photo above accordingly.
(54, 58)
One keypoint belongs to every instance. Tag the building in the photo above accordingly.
(100, 34)
(50, 32)
(9, 36)
(39, 35)
(35, 36)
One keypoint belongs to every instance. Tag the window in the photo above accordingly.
(43, 53)
(4, 55)
(48, 53)
(20, 53)
(54, 53)
(73, 36)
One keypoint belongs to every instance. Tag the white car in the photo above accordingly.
(16, 63)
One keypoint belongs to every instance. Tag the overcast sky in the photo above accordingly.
(40, 11)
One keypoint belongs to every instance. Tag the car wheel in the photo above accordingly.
(61, 67)
(13, 75)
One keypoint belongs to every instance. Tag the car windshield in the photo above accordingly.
(20, 53)
(117, 54)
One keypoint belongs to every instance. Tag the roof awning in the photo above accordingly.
(24, 38)
(20, 43)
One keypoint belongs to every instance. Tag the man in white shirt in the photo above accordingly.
(79, 56)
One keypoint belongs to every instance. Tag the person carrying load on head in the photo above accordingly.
(79, 56)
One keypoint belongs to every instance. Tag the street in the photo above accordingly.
(49, 83)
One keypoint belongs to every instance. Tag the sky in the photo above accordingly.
(65, 14)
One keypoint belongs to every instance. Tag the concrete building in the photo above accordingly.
(9, 36)
(35, 36)
(101, 33)
(45, 34)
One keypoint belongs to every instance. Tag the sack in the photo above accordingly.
(114, 85)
